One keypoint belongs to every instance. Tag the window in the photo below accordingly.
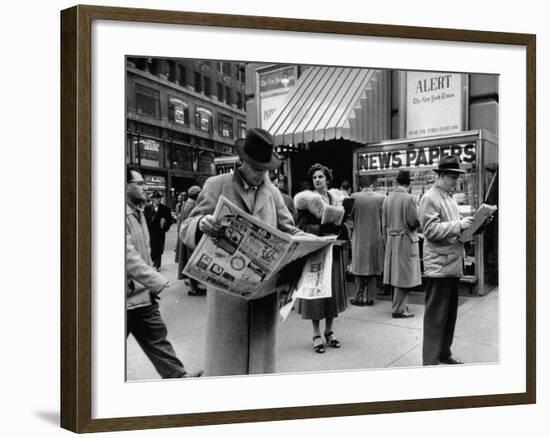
(240, 103)
(147, 101)
(242, 129)
(226, 68)
(203, 119)
(228, 96)
(183, 75)
(178, 111)
(171, 71)
(198, 82)
(242, 73)
(220, 92)
(207, 90)
(225, 126)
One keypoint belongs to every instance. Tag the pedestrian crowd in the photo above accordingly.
(381, 232)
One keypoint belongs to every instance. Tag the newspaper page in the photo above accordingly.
(332, 214)
(480, 216)
(248, 259)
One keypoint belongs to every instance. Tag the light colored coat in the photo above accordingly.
(367, 243)
(141, 278)
(240, 335)
(440, 220)
(399, 222)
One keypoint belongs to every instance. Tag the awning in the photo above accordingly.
(333, 102)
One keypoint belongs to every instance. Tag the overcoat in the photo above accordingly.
(240, 334)
(141, 278)
(367, 243)
(399, 223)
(440, 220)
(310, 223)
(156, 232)
(183, 251)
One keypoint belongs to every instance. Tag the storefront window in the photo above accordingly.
(147, 101)
(203, 119)
(242, 129)
(178, 111)
(182, 158)
(225, 126)
(149, 151)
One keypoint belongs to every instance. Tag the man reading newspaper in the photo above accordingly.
(240, 334)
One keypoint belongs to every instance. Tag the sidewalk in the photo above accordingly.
(370, 337)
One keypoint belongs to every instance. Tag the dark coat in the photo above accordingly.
(400, 222)
(367, 243)
(240, 334)
(156, 232)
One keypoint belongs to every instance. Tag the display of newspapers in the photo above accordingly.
(252, 259)
(480, 216)
(329, 214)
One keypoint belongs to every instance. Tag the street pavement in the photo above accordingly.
(370, 337)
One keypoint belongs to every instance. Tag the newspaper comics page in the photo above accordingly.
(243, 257)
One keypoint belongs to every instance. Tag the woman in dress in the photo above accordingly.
(308, 218)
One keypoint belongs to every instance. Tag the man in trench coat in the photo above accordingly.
(367, 243)
(240, 334)
(402, 261)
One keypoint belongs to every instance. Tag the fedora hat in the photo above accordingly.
(194, 191)
(257, 149)
(403, 177)
(449, 163)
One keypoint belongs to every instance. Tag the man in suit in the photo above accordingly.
(143, 286)
(159, 220)
(240, 334)
(367, 244)
(402, 259)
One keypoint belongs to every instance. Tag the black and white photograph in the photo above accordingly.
(289, 218)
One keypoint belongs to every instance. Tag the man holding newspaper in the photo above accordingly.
(241, 333)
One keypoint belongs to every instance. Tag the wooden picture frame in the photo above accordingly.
(76, 217)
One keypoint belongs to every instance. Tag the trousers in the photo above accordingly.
(439, 319)
(147, 326)
(365, 287)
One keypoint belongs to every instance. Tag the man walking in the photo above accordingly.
(144, 285)
(159, 220)
(443, 262)
(367, 244)
(402, 260)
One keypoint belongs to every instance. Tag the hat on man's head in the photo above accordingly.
(449, 163)
(403, 177)
(257, 149)
(193, 191)
(156, 194)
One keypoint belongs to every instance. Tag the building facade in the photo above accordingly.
(181, 114)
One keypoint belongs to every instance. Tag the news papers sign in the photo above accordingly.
(414, 157)
(435, 103)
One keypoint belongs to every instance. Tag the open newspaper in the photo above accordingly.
(252, 259)
(480, 216)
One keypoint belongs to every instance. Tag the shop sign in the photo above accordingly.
(435, 103)
(414, 158)
(149, 152)
(204, 117)
(274, 85)
(179, 107)
(154, 182)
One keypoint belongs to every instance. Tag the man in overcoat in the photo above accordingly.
(185, 253)
(443, 262)
(143, 286)
(240, 334)
(402, 260)
(159, 220)
(367, 243)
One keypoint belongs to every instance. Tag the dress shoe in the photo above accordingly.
(402, 315)
(187, 375)
(450, 361)
(369, 303)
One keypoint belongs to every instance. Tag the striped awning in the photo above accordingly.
(334, 102)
